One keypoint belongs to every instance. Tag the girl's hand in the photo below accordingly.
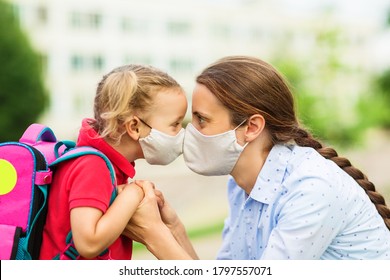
(132, 189)
(120, 188)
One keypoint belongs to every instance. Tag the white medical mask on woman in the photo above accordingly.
(160, 148)
(211, 155)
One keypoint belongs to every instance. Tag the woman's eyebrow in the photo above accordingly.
(203, 115)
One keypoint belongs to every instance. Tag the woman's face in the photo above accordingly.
(209, 116)
(169, 109)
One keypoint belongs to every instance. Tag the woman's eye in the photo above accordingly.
(201, 119)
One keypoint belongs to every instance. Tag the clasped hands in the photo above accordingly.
(153, 213)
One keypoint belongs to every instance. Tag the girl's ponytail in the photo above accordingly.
(112, 103)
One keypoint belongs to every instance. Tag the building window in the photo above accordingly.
(86, 20)
(135, 25)
(76, 19)
(97, 62)
(42, 16)
(77, 62)
(221, 31)
(90, 63)
(180, 65)
(138, 59)
(179, 27)
(95, 20)
(127, 24)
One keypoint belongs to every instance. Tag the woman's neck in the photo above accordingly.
(249, 165)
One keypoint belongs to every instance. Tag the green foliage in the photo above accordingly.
(388, 17)
(375, 106)
(321, 113)
(22, 94)
(326, 104)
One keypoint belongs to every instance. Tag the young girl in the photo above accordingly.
(290, 197)
(138, 114)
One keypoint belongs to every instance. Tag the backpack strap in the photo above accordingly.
(85, 150)
(70, 252)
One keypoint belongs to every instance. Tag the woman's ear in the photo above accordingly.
(132, 128)
(255, 126)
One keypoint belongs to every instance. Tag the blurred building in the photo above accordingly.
(79, 41)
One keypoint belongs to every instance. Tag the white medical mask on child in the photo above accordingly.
(160, 148)
(211, 155)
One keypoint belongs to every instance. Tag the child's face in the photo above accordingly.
(169, 109)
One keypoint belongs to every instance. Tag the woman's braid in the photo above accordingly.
(305, 139)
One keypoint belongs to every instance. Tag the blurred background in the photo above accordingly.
(334, 53)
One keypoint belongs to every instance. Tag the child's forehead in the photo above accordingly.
(169, 104)
(169, 96)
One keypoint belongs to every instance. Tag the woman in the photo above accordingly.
(290, 197)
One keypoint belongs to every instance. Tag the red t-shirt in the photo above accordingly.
(84, 182)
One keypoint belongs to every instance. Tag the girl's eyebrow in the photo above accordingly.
(178, 119)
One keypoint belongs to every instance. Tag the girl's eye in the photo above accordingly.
(176, 125)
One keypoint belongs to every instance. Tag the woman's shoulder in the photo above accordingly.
(311, 173)
(307, 162)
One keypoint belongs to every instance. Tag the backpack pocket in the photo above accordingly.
(22, 198)
(10, 237)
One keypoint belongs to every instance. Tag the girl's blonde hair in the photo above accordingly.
(125, 91)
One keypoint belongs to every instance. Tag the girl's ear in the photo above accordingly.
(132, 128)
(255, 126)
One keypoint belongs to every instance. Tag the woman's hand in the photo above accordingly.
(146, 220)
(156, 225)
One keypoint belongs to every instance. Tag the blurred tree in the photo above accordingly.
(380, 101)
(375, 105)
(22, 93)
(318, 81)
(388, 17)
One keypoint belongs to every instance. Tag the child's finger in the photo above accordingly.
(142, 182)
(120, 188)
(148, 188)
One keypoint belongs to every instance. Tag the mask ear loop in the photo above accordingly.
(240, 124)
(238, 127)
(144, 122)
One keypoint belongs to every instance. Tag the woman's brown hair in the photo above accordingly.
(248, 86)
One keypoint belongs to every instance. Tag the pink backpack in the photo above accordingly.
(26, 171)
